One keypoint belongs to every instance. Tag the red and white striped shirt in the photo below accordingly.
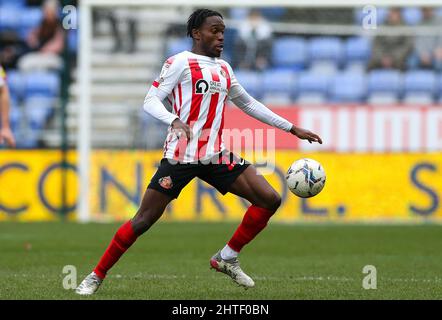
(197, 87)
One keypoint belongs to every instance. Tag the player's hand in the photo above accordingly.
(7, 136)
(181, 128)
(305, 135)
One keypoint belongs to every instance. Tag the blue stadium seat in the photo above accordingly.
(439, 86)
(412, 15)
(42, 83)
(348, 87)
(289, 53)
(278, 81)
(175, 46)
(16, 83)
(379, 98)
(278, 86)
(38, 109)
(423, 81)
(311, 98)
(29, 19)
(326, 49)
(28, 138)
(251, 81)
(9, 17)
(14, 3)
(14, 118)
(326, 68)
(357, 49)
(421, 98)
(382, 80)
(312, 83)
(73, 40)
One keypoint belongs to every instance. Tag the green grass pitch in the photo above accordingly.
(171, 261)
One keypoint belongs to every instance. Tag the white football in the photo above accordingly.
(305, 178)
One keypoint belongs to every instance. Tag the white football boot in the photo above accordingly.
(89, 285)
(232, 269)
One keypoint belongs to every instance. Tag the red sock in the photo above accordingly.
(121, 241)
(254, 221)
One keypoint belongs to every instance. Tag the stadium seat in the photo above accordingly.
(251, 81)
(278, 86)
(29, 19)
(312, 83)
(357, 49)
(412, 15)
(289, 53)
(42, 83)
(16, 83)
(386, 81)
(355, 67)
(73, 40)
(13, 3)
(421, 98)
(175, 46)
(28, 139)
(326, 49)
(15, 115)
(326, 68)
(420, 81)
(9, 17)
(278, 81)
(348, 87)
(311, 98)
(439, 86)
(382, 98)
(38, 109)
(276, 99)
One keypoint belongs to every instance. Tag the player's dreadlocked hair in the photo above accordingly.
(197, 18)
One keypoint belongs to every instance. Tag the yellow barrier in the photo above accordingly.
(359, 187)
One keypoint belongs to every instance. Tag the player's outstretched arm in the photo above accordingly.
(257, 110)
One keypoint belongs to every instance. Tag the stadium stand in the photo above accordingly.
(284, 45)
(304, 69)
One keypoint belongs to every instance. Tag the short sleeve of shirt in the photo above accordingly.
(2, 77)
(170, 76)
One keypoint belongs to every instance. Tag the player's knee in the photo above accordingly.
(275, 201)
(142, 221)
(272, 201)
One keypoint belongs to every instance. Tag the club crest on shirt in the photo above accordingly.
(223, 73)
(166, 182)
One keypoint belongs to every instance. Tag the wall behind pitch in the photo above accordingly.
(360, 187)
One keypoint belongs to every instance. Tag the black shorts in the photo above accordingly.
(171, 177)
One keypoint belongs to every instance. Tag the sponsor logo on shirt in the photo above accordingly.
(202, 87)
